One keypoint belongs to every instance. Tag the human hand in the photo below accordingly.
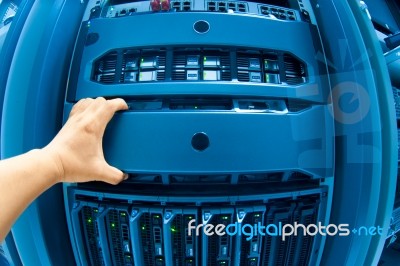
(77, 150)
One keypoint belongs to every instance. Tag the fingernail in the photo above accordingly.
(126, 176)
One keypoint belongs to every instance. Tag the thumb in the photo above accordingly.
(112, 175)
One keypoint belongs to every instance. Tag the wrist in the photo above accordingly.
(52, 162)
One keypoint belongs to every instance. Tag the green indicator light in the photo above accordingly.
(205, 58)
(89, 220)
(256, 215)
(143, 227)
(157, 216)
(174, 230)
(190, 217)
(123, 214)
(96, 210)
(267, 78)
(142, 60)
(225, 218)
(195, 107)
(113, 225)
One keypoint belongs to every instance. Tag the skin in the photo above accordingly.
(74, 155)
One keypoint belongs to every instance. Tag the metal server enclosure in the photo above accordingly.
(234, 117)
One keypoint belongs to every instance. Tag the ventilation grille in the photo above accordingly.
(250, 249)
(178, 240)
(273, 177)
(90, 228)
(200, 179)
(296, 249)
(214, 104)
(115, 235)
(223, 179)
(294, 70)
(224, 6)
(222, 64)
(144, 178)
(183, 245)
(146, 235)
(147, 239)
(105, 68)
(219, 248)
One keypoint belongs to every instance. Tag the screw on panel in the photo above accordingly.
(167, 215)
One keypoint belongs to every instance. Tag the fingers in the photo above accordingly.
(81, 106)
(117, 104)
(103, 108)
(93, 116)
(108, 110)
(112, 175)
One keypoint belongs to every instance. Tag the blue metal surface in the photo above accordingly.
(7, 49)
(161, 142)
(179, 32)
(351, 147)
(361, 140)
(151, 204)
(49, 35)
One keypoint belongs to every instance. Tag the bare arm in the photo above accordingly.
(74, 155)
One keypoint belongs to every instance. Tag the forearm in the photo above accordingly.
(74, 155)
(22, 179)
